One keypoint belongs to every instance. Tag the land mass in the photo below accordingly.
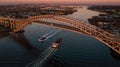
(26, 10)
(108, 19)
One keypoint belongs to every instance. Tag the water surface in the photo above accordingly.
(77, 50)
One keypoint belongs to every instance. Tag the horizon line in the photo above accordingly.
(59, 4)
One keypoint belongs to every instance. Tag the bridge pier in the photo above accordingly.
(11, 24)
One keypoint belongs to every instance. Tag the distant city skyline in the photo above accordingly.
(93, 2)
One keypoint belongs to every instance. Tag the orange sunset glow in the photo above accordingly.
(114, 2)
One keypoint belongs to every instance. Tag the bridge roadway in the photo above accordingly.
(109, 39)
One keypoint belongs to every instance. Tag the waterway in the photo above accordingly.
(76, 50)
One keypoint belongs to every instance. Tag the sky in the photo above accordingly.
(100, 2)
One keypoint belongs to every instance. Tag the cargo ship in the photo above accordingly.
(56, 43)
(42, 39)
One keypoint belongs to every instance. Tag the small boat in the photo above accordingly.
(57, 43)
(42, 39)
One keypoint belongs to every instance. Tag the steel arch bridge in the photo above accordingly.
(107, 38)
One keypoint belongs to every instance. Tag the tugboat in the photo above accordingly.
(41, 39)
(56, 43)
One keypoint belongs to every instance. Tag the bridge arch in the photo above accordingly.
(109, 39)
(61, 19)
